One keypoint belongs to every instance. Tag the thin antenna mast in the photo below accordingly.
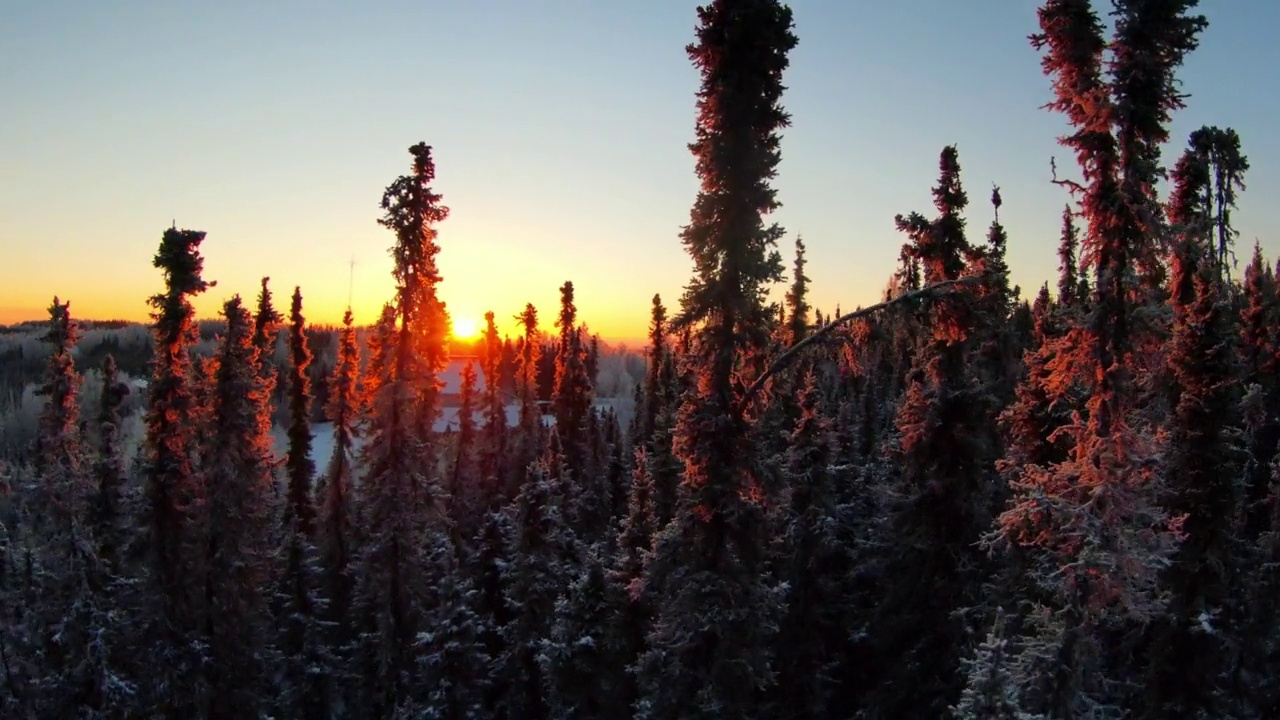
(351, 281)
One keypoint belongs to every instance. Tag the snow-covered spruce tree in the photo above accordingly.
(108, 513)
(1069, 275)
(531, 583)
(1203, 463)
(173, 487)
(266, 325)
(236, 534)
(629, 572)
(382, 352)
(584, 660)
(487, 568)
(656, 411)
(798, 299)
(302, 690)
(399, 491)
(78, 661)
(652, 397)
(571, 395)
(299, 465)
(1092, 523)
(528, 441)
(995, 351)
(709, 649)
(59, 453)
(493, 457)
(943, 498)
(336, 535)
(815, 567)
(466, 501)
(452, 659)
(991, 688)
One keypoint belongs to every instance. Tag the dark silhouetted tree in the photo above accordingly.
(709, 648)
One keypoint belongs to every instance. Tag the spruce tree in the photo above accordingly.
(299, 465)
(172, 485)
(236, 518)
(946, 461)
(465, 496)
(302, 689)
(652, 401)
(708, 654)
(108, 506)
(1068, 271)
(583, 659)
(399, 491)
(493, 459)
(336, 528)
(531, 583)
(59, 452)
(78, 660)
(452, 657)
(1093, 521)
(571, 396)
(815, 567)
(629, 574)
(797, 299)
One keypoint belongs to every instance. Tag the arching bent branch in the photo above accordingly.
(786, 357)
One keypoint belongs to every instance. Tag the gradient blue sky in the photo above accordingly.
(560, 129)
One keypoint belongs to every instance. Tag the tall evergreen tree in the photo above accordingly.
(108, 506)
(531, 585)
(400, 495)
(303, 689)
(815, 568)
(1068, 252)
(236, 523)
(798, 299)
(76, 635)
(1093, 521)
(493, 461)
(465, 497)
(571, 396)
(336, 529)
(708, 654)
(946, 471)
(299, 464)
(172, 485)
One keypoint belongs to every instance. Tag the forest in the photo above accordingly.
(961, 502)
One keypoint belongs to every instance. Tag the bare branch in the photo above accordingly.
(1072, 186)
(790, 353)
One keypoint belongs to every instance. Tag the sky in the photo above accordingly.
(560, 130)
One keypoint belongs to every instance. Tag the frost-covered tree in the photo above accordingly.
(571, 395)
(583, 660)
(453, 663)
(236, 536)
(172, 485)
(336, 531)
(945, 500)
(109, 513)
(531, 584)
(1093, 522)
(709, 649)
(400, 498)
(798, 308)
(302, 644)
(816, 569)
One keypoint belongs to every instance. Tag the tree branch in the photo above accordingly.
(787, 356)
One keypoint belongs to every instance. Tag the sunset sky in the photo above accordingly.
(560, 131)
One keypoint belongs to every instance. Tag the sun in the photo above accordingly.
(464, 328)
